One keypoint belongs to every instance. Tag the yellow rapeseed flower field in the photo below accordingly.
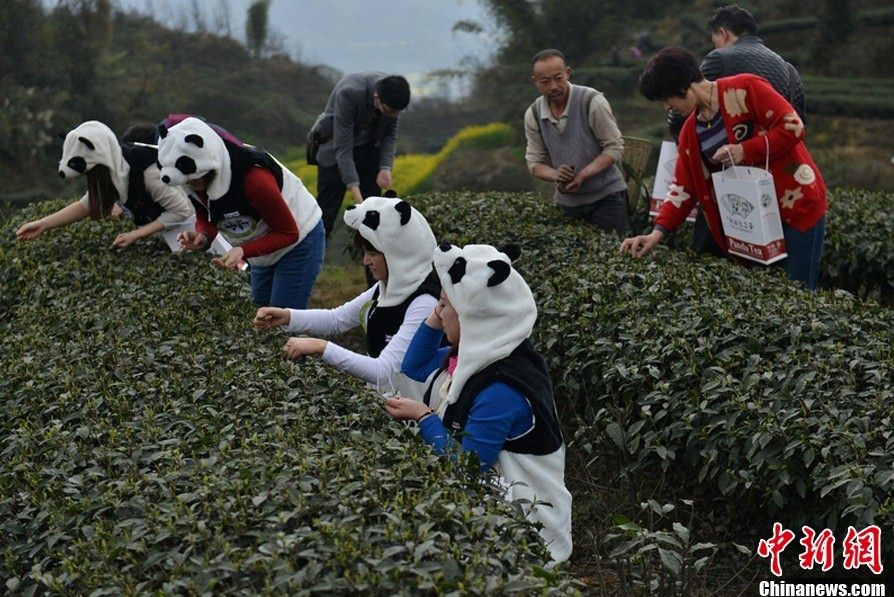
(412, 172)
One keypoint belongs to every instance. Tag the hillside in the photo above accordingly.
(89, 59)
(60, 68)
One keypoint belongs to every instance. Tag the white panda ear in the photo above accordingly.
(511, 251)
(87, 142)
(405, 211)
(457, 270)
(195, 140)
(162, 131)
(501, 272)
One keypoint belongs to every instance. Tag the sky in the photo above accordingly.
(410, 37)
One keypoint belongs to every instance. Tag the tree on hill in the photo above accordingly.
(256, 26)
(87, 59)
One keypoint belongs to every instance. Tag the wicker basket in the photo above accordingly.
(637, 152)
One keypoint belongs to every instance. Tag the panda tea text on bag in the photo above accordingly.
(749, 212)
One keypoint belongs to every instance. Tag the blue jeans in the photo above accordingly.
(289, 282)
(805, 249)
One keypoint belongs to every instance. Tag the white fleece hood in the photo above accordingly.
(191, 149)
(495, 306)
(403, 235)
(90, 144)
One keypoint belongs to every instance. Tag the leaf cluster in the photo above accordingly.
(736, 382)
(858, 253)
(153, 442)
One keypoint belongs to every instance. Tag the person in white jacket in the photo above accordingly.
(122, 178)
(489, 391)
(259, 206)
(397, 245)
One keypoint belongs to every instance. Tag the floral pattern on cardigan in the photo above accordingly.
(752, 111)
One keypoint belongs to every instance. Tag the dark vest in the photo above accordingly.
(242, 159)
(577, 146)
(525, 370)
(138, 201)
(382, 322)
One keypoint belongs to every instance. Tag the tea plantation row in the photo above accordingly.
(780, 399)
(858, 255)
(152, 441)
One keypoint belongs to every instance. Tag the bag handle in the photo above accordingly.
(766, 161)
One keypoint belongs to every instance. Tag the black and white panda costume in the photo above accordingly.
(390, 311)
(191, 149)
(495, 359)
(142, 195)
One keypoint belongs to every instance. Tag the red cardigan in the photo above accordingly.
(751, 108)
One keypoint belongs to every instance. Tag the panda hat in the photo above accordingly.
(191, 149)
(403, 235)
(495, 306)
(90, 144)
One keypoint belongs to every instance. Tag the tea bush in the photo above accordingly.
(151, 441)
(858, 253)
(859, 250)
(779, 398)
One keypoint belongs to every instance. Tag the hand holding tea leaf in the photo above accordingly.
(125, 239)
(271, 317)
(30, 230)
(406, 409)
(231, 260)
(190, 241)
(638, 246)
(564, 177)
(565, 174)
(299, 347)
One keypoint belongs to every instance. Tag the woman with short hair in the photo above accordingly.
(735, 120)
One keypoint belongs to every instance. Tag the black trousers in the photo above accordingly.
(331, 189)
(702, 241)
(608, 213)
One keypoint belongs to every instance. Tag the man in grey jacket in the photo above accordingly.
(358, 134)
(739, 50)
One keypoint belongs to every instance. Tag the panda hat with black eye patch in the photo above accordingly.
(191, 149)
(403, 235)
(495, 306)
(90, 144)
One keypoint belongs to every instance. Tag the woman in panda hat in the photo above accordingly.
(489, 392)
(121, 176)
(257, 205)
(397, 243)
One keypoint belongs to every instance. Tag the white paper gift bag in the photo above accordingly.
(664, 176)
(749, 212)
